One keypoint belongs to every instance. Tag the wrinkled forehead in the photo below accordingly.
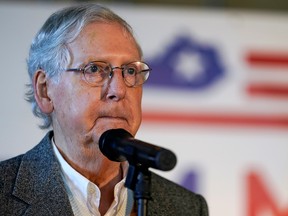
(107, 32)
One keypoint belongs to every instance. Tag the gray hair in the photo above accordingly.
(49, 49)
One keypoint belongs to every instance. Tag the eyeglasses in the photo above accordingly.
(96, 73)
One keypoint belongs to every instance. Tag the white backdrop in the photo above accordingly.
(230, 135)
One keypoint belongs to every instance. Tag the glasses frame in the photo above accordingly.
(109, 73)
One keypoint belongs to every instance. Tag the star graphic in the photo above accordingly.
(188, 66)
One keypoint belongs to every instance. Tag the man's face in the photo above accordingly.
(83, 112)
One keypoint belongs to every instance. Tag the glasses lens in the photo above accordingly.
(136, 73)
(96, 73)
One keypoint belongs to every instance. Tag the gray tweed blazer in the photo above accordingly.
(31, 184)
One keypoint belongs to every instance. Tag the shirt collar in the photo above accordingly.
(75, 180)
(81, 185)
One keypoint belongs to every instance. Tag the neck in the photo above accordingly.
(105, 174)
(99, 169)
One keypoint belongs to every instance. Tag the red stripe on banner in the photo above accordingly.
(217, 119)
(268, 90)
(258, 58)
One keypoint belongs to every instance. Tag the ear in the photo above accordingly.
(40, 84)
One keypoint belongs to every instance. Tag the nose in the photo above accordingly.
(116, 86)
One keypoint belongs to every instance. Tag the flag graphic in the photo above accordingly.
(273, 66)
(194, 67)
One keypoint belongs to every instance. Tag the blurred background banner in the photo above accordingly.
(217, 97)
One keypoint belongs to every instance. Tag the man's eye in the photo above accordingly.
(131, 71)
(93, 68)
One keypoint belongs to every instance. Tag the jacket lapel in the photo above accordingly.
(39, 182)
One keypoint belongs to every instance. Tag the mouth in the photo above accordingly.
(113, 118)
(112, 122)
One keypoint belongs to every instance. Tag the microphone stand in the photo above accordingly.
(119, 145)
(139, 180)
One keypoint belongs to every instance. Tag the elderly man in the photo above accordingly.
(86, 75)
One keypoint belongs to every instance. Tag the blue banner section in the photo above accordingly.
(186, 64)
(190, 181)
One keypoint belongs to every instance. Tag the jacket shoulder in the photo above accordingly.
(9, 169)
(31, 184)
(169, 198)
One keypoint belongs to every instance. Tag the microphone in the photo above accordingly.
(119, 145)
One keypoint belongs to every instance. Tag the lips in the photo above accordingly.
(114, 113)
(114, 117)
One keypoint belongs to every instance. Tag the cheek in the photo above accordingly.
(72, 105)
(84, 109)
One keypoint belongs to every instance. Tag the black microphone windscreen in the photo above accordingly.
(119, 145)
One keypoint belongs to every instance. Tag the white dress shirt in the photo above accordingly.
(85, 196)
